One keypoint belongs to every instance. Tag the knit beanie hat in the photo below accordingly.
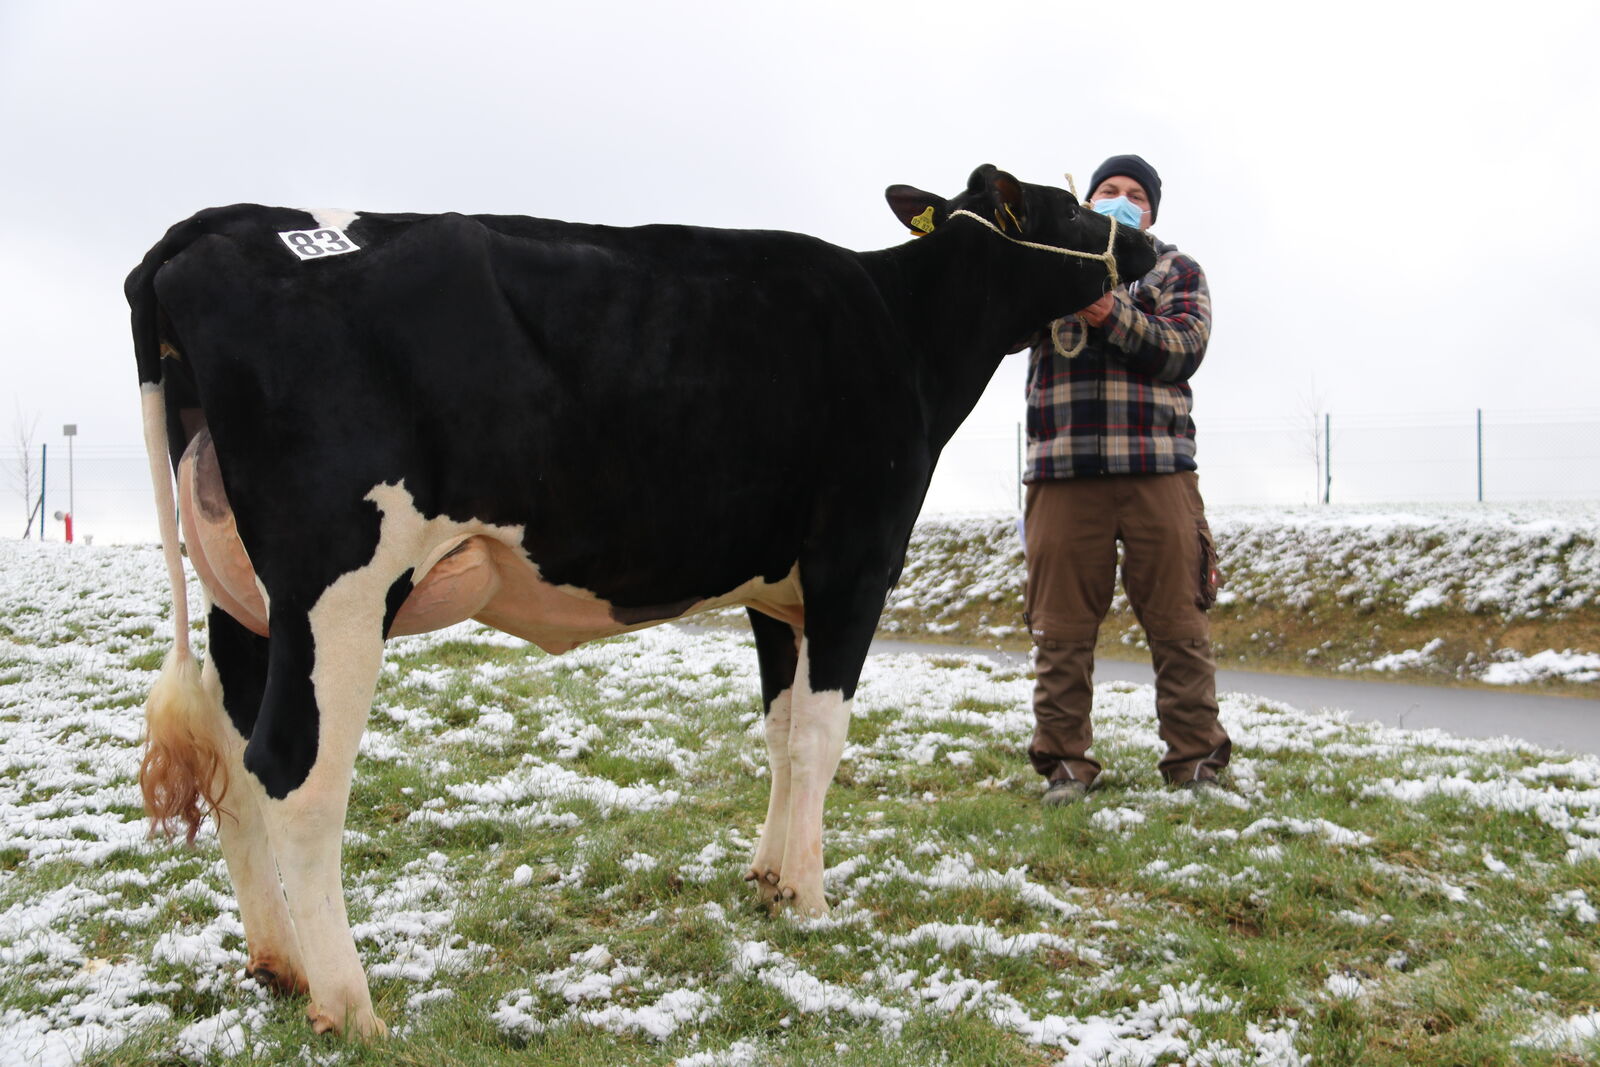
(1131, 167)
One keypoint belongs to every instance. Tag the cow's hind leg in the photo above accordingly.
(777, 650)
(322, 669)
(234, 675)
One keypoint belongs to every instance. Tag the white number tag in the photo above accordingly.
(318, 244)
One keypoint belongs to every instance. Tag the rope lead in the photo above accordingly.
(1105, 257)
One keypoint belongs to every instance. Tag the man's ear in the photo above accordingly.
(918, 210)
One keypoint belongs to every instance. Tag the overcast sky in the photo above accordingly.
(1395, 202)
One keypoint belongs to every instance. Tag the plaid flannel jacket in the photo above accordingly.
(1121, 406)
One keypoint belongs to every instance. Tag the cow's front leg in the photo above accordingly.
(321, 674)
(844, 588)
(819, 720)
(234, 677)
(777, 650)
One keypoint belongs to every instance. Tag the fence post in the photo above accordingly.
(44, 468)
(1480, 455)
(1327, 462)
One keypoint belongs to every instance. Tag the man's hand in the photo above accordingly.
(1098, 312)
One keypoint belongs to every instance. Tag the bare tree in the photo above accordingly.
(23, 478)
(1313, 442)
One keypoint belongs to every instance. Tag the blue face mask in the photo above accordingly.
(1120, 208)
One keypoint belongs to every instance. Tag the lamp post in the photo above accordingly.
(69, 431)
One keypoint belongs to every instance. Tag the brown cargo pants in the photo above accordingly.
(1072, 528)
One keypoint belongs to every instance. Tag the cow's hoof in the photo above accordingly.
(364, 1025)
(766, 883)
(802, 904)
(277, 976)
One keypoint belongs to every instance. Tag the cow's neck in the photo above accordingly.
(966, 299)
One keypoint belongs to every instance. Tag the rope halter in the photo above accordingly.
(1104, 257)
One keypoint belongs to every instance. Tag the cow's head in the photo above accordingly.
(1037, 214)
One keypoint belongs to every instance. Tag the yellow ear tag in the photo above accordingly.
(923, 223)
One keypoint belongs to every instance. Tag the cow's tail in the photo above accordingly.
(184, 774)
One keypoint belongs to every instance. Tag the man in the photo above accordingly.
(1111, 458)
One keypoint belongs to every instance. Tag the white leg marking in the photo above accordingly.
(767, 865)
(269, 934)
(819, 722)
(307, 827)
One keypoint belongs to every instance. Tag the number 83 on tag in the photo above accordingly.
(318, 244)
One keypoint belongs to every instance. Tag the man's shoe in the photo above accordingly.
(1064, 791)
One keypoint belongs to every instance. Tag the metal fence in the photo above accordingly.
(1501, 456)
(1357, 459)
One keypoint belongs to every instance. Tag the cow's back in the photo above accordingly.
(631, 397)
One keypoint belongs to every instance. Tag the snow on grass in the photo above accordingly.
(1470, 573)
(1408, 659)
(548, 851)
(1575, 666)
(1522, 561)
(1574, 1034)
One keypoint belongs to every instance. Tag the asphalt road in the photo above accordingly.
(1567, 723)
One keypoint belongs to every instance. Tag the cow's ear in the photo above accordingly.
(1003, 193)
(919, 211)
(1010, 213)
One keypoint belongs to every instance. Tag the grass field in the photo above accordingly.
(544, 866)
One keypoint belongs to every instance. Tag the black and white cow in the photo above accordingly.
(386, 424)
